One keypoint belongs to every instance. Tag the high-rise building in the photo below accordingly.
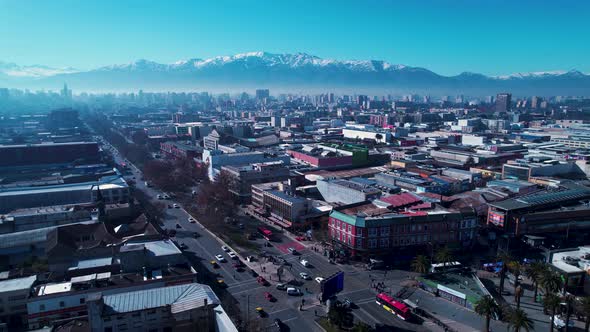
(536, 102)
(503, 101)
(66, 93)
(261, 94)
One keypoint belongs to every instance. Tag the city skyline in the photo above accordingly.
(494, 38)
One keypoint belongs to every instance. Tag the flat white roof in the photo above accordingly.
(54, 288)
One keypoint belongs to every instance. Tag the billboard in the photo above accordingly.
(332, 285)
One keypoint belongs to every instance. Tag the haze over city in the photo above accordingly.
(304, 166)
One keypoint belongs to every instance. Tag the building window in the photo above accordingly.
(359, 243)
(349, 240)
(373, 243)
(82, 300)
(349, 228)
(62, 304)
(385, 231)
(384, 243)
(372, 232)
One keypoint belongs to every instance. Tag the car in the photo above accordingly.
(165, 196)
(225, 248)
(214, 264)
(178, 226)
(221, 283)
(238, 265)
(172, 232)
(176, 206)
(183, 246)
(191, 220)
(220, 258)
(281, 286)
(260, 312)
(300, 238)
(292, 250)
(348, 303)
(304, 262)
(250, 259)
(159, 196)
(268, 296)
(232, 255)
(304, 276)
(196, 235)
(169, 206)
(262, 281)
(241, 226)
(319, 279)
(294, 291)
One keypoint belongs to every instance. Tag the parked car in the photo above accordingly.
(178, 226)
(225, 248)
(191, 220)
(250, 258)
(262, 281)
(292, 250)
(232, 255)
(281, 286)
(159, 196)
(319, 280)
(214, 264)
(183, 246)
(304, 262)
(220, 258)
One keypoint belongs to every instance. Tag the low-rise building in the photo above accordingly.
(243, 177)
(350, 191)
(188, 307)
(14, 294)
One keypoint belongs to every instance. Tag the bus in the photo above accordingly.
(399, 309)
(442, 267)
(266, 233)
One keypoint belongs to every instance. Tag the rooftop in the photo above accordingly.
(180, 298)
(11, 285)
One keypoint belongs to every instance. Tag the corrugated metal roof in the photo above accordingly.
(17, 284)
(180, 298)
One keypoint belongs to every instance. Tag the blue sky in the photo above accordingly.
(448, 37)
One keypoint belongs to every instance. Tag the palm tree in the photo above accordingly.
(550, 303)
(444, 256)
(487, 307)
(421, 264)
(550, 282)
(518, 319)
(534, 272)
(585, 309)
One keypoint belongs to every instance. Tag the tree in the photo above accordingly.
(518, 319)
(421, 264)
(486, 307)
(550, 303)
(337, 315)
(550, 282)
(534, 272)
(569, 304)
(361, 327)
(444, 256)
(585, 309)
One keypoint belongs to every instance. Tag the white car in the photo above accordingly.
(220, 258)
(176, 206)
(232, 255)
(192, 220)
(319, 280)
(294, 291)
(225, 248)
(166, 196)
(159, 196)
(304, 262)
(304, 276)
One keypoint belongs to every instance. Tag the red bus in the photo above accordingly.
(266, 233)
(399, 309)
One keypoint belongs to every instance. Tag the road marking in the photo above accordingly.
(248, 290)
(276, 311)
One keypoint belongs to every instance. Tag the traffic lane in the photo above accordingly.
(378, 315)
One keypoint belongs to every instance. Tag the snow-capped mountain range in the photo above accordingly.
(286, 71)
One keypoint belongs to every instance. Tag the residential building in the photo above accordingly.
(243, 177)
